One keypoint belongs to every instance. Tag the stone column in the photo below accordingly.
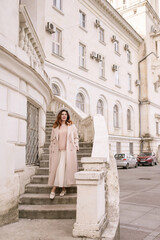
(90, 216)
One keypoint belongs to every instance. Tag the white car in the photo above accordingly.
(125, 160)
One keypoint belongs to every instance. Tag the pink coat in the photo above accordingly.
(71, 150)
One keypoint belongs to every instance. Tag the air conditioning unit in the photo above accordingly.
(137, 82)
(50, 27)
(114, 67)
(97, 23)
(113, 38)
(99, 57)
(93, 55)
(126, 47)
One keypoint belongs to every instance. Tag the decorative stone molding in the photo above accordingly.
(114, 14)
(30, 43)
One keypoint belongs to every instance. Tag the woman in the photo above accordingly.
(62, 153)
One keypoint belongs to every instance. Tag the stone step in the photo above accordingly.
(44, 163)
(81, 144)
(79, 155)
(58, 211)
(42, 171)
(44, 188)
(82, 149)
(43, 199)
(39, 179)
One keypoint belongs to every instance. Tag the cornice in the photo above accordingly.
(11, 63)
(145, 3)
(105, 5)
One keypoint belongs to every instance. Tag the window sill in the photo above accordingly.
(102, 42)
(58, 10)
(84, 29)
(118, 86)
(103, 78)
(58, 56)
(130, 91)
(117, 53)
(83, 68)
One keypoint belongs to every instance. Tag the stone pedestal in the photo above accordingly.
(90, 204)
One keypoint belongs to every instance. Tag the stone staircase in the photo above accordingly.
(35, 202)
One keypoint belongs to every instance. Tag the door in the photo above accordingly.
(32, 135)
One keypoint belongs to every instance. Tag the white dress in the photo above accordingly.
(62, 142)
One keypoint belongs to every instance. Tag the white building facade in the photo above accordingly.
(106, 85)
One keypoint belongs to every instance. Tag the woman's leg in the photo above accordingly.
(53, 189)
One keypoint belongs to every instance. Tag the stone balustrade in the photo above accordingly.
(30, 44)
(83, 122)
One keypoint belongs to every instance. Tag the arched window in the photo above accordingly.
(100, 107)
(128, 119)
(115, 116)
(55, 89)
(80, 101)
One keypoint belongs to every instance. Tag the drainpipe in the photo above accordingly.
(139, 97)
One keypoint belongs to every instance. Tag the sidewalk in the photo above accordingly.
(140, 203)
(39, 229)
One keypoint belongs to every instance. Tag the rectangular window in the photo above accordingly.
(118, 147)
(128, 56)
(117, 77)
(129, 82)
(131, 148)
(101, 34)
(57, 4)
(57, 42)
(116, 46)
(102, 68)
(82, 19)
(82, 54)
(157, 128)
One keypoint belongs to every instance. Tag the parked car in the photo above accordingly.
(125, 160)
(147, 158)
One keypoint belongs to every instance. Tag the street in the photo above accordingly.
(140, 203)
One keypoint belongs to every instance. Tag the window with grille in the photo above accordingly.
(100, 107)
(131, 148)
(80, 101)
(102, 68)
(118, 147)
(117, 82)
(157, 128)
(115, 116)
(101, 34)
(82, 55)
(128, 56)
(129, 82)
(55, 89)
(128, 119)
(82, 19)
(57, 4)
(116, 46)
(57, 42)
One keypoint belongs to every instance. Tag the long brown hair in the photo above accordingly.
(58, 121)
